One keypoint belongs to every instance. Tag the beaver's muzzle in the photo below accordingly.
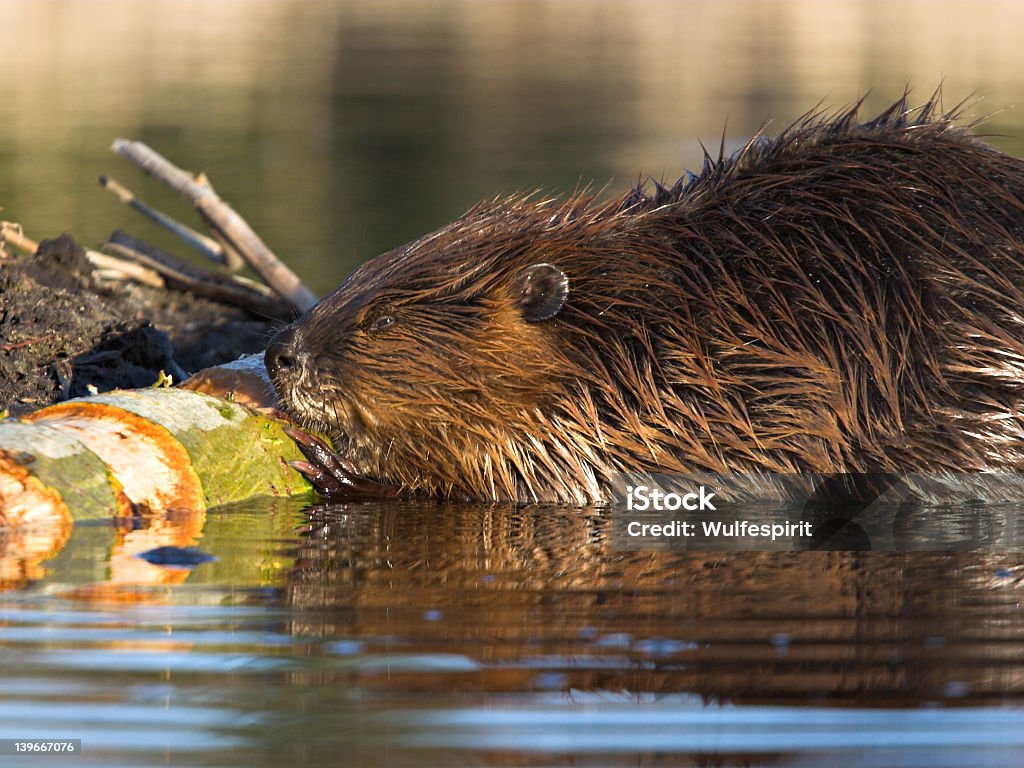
(286, 355)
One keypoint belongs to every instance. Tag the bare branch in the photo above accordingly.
(206, 246)
(109, 267)
(202, 282)
(222, 218)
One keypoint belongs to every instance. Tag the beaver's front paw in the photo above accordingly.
(330, 475)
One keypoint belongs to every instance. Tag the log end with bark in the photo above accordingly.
(156, 449)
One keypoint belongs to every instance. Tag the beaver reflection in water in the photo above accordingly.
(847, 297)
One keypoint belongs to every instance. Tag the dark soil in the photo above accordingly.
(64, 332)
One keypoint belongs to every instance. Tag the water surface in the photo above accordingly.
(429, 634)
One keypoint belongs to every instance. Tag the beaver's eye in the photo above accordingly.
(382, 322)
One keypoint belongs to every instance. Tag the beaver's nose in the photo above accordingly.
(284, 352)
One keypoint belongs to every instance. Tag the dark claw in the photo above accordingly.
(332, 476)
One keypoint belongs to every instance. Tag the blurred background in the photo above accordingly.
(342, 129)
(405, 634)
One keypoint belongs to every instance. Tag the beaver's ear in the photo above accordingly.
(543, 289)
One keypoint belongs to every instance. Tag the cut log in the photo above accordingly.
(145, 449)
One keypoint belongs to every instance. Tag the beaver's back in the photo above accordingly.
(847, 297)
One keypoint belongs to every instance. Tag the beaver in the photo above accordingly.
(845, 297)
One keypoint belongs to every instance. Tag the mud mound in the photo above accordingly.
(63, 331)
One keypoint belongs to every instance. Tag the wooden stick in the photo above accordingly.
(204, 245)
(234, 259)
(109, 266)
(113, 267)
(11, 233)
(237, 291)
(222, 218)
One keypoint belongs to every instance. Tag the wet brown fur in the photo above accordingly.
(845, 297)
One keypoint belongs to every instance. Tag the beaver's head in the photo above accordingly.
(458, 364)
